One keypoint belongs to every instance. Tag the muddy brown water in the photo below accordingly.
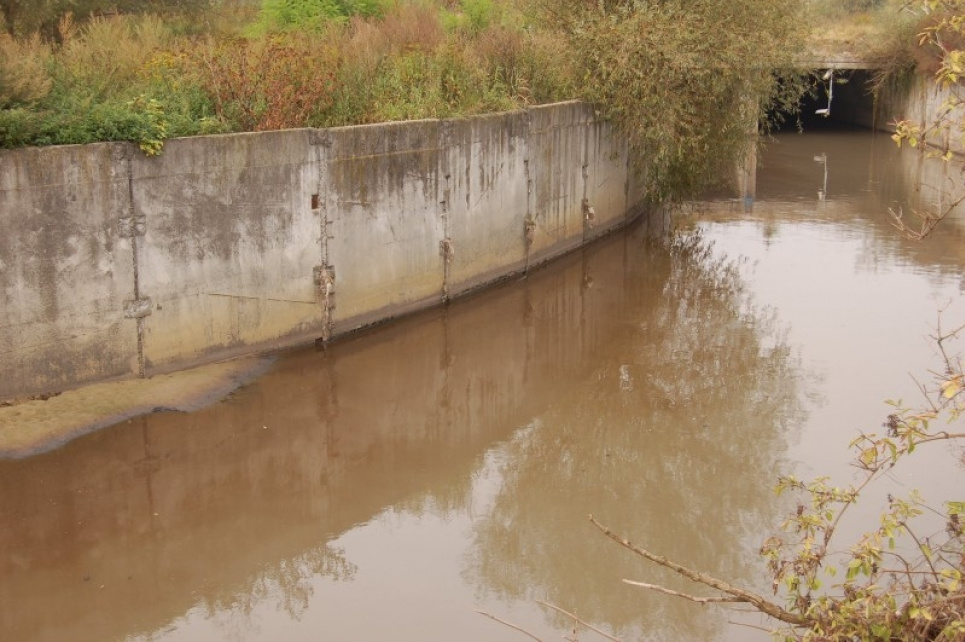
(392, 485)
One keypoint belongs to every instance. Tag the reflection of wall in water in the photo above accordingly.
(125, 529)
(839, 177)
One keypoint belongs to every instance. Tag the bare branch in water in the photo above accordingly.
(692, 598)
(509, 624)
(578, 620)
(926, 220)
(764, 606)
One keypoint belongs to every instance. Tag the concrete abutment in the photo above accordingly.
(113, 264)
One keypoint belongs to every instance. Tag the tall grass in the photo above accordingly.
(102, 82)
(413, 63)
(145, 77)
(271, 83)
(108, 54)
(312, 15)
(24, 78)
(865, 28)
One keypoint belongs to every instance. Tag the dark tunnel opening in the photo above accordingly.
(851, 105)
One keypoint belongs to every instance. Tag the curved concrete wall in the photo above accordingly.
(114, 264)
(919, 100)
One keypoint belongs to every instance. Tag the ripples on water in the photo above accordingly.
(390, 485)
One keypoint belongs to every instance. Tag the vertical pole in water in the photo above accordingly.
(747, 168)
(747, 174)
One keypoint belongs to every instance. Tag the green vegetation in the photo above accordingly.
(146, 76)
(687, 96)
(314, 15)
(145, 71)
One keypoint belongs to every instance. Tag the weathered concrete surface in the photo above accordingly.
(112, 263)
(230, 243)
(920, 101)
(485, 198)
(383, 222)
(928, 100)
(607, 182)
(557, 156)
(66, 268)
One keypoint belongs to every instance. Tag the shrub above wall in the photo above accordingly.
(320, 63)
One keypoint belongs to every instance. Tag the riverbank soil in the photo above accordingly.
(37, 425)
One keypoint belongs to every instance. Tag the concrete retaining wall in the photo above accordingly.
(115, 264)
(66, 268)
(920, 101)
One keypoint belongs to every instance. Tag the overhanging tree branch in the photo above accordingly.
(740, 595)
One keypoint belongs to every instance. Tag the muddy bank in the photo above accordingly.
(38, 425)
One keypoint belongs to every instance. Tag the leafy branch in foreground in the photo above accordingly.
(900, 580)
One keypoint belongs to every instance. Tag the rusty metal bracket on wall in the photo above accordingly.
(589, 214)
(138, 308)
(131, 226)
(324, 278)
(446, 250)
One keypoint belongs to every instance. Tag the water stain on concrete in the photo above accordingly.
(39, 425)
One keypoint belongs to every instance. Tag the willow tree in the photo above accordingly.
(686, 80)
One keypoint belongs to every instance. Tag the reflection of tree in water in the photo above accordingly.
(676, 443)
(290, 582)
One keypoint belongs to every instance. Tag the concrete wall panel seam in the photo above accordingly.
(245, 242)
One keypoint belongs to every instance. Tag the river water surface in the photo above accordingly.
(392, 485)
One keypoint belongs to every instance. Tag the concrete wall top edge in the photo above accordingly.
(36, 168)
(49, 149)
(561, 115)
(356, 143)
(315, 135)
(132, 147)
(557, 105)
(203, 154)
(386, 124)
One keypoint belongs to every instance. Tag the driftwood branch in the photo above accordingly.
(764, 606)
(509, 624)
(578, 620)
(692, 598)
